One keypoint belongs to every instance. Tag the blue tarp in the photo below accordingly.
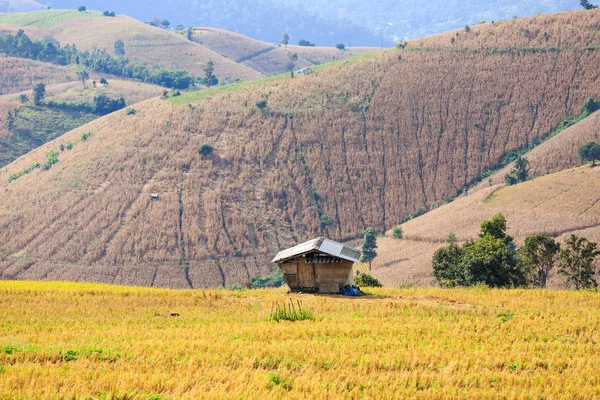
(351, 290)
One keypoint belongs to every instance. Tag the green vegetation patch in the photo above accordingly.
(36, 125)
(46, 18)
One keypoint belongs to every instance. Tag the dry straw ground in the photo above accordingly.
(356, 144)
(101, 342)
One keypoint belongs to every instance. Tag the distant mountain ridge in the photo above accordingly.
(9, 6)
(352, 22)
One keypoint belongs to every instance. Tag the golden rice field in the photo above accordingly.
(65, 340)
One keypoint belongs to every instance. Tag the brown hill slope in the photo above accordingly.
(355, 144)
(143, 42)
(559, 204)
(18, 74)
(267, 58)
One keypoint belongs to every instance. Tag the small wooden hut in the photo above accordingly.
(319, 265)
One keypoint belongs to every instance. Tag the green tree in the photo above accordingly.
(291, 65)
(519, 173)
(39, 92)
(119, 48)
(209, 77)
(576, 262)
(81, 8)
(340, 46)
(451, 238)
(587, 5)
(589, 152)
(397, 232)
(490, 260)
(189, 33)
(493, 262)
(23, 98)
(496, 228)
(285, 38)
(446, 266)
(165, 24)
(369, 245)
(206, 151)
(539, 254)
(83, 76)
(103, 81)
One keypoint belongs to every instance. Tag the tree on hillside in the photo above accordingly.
(587, 5)
(39, 92)
(189, 34)
(539, 254)
(165, 24)
(81, 8)
(304, 42)
(155, 22)
(490, 260)
(340, 46)
(23, 98)
(209, 77)
(285, 38)
(83, 76)
(519, 173)
(369, 245)
(589, 152)
(291, 65)
(576, 262)
(119, 48)
(496, 228)
(103, 81)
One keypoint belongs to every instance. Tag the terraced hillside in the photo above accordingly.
(268, 58)
(356, 144)
(91, 30)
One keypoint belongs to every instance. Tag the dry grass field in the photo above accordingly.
(559, 204)
(17, 74)
(143, 42)
(103, 342)
(268, 58)
(361, 142)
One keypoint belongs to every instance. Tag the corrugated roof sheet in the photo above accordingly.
(322, 245)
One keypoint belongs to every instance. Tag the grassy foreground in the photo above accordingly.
(62, 340)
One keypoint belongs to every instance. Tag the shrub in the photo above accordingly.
(85, 135)
(292, 312)
(340, 46)
(206, 150)
(366, 280)
(130, 111)
(103, 81)
(397, 232)
(451, 238)
(467, 28)
(274, 280)
(81, 8)
(261, 105)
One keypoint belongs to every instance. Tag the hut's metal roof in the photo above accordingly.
(322, 245)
